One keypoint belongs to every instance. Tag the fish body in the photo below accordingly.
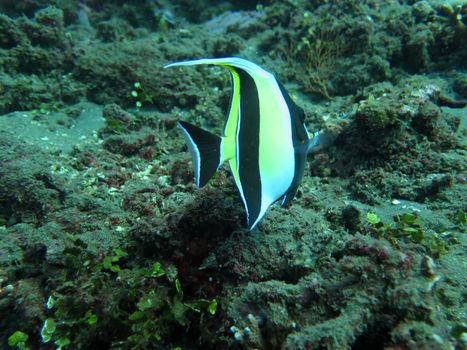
(265, 139)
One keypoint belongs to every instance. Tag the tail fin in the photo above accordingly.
(205, 149)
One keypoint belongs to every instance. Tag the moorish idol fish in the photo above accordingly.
(265, 139)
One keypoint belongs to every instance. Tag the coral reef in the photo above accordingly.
(105, 242)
